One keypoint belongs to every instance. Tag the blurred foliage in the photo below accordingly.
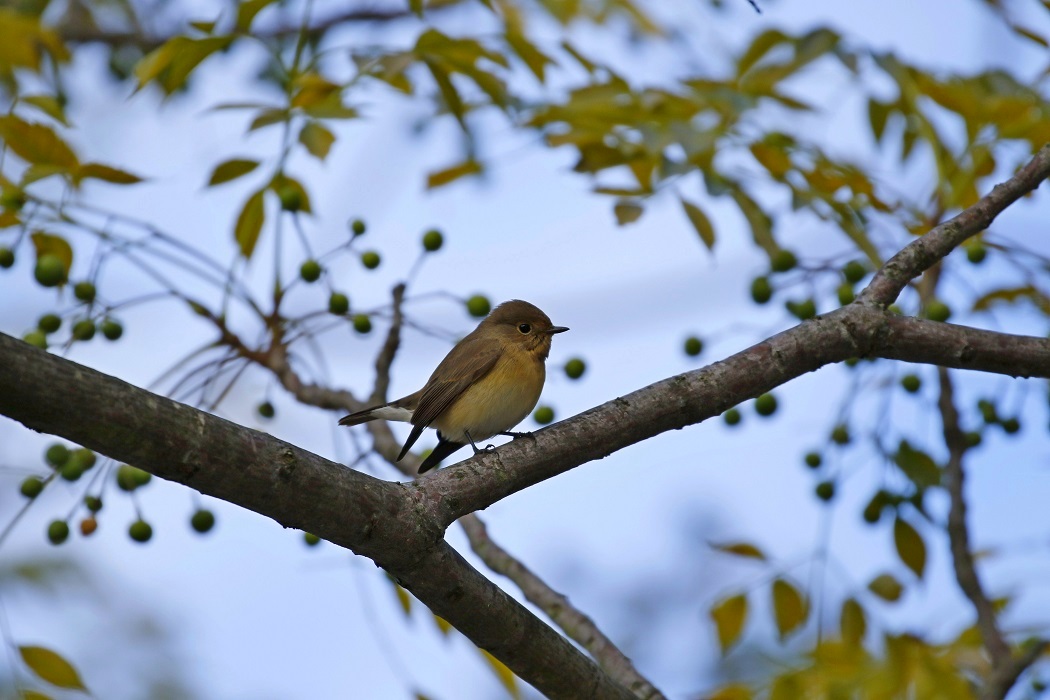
(701, 141)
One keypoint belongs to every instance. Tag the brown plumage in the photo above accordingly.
(486, 384)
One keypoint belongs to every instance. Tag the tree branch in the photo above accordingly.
(924, 252)
(377, 519)
(574, 623)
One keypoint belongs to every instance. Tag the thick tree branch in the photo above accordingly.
(924, 252)
(377, 519)
(574, 623)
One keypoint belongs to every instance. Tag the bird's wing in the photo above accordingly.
(468, 362)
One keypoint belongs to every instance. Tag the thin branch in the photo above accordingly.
(1004, 677)
(386, 355)
(958, 532)
(924, 252)
(574, 623)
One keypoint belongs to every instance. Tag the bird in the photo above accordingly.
(487, 384)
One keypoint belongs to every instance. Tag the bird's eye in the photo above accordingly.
(524, 328)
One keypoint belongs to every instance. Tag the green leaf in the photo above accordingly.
(852, 622)
(729, 616)
(438, 178)
(249, 223)
(171, 63)
(281, 184)
(246, 12)
(23, 40)
(761, 45)
(740, 549)
(1012, 296)
(106, 173)
(789, 608)
(26, 694)
(49, 105)
(627, 211)
(760, 223)
(416, 7)
(878, 113)
(36, 144)
(317, 139)
(535, 59)
(231, 170)
(910, 546)
(887, 587)
(505, 675)
(918, 466)
(700, 222)
(50, 244)
(51, 667)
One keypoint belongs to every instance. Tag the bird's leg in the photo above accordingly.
(511, 433)
(477, 450)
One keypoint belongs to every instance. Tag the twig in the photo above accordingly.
(578, 626)
(386, 355)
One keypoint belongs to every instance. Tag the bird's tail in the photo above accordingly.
(388, 411)
(443, 449)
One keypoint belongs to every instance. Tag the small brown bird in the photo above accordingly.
(485, 385)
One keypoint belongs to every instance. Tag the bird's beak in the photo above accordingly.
(557, 329)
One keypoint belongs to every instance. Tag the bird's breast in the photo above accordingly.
(496, 402)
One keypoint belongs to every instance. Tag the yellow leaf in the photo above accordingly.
(249, 224)
(910, 547)
(246, 12)
(403, 598)
(740, 549)
(106, 173)
(49, 105)
(760, 223)
(36, 144)
(269, 116)
(627, 212)
(49, 244)
(734, 691)
(505, 675)
(700, 222)
(51, 667)
(439, 178)
(317, 139)
(887, 587)
(231, 170)
(729, 616)
(443, 625)
(535, 59)
(789, 607)
(852, 622)
(282, 185)
(773, 159)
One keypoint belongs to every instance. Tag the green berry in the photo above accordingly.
(575, 368)
(32, 486)
(825, 490)
(732, 416)
(840, 434)
(937, 310)
(7, 257)
(433, 240)
(36, 338)
(56, 455)
(973, 438)
(338, 303)
(357, 226)
(851, 362)
(766, 405)
(311, 539)
(1011, 426)
(291, 199)
(49, 323)
(202, 521)
(362, 323)
(88, 526)
(543, 415)
(873, 511)
(854, 271)
(93, 503)
(50, 271)
(140, 531)
(141, 476)
(84, 457)
(976, 253)
(845, 293)
(128, 479)
(988, 411)
(911, 383)
(894, 309)
(802, 310)
(84, 329)
(370, 259)
(84, 291)
(693, 346)
(71, 471)
(265, 409)
(782, 261)
(112, 329)
(813, 460)
(761, 290)
(310, 271)
(478, 306)
(58, 531)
